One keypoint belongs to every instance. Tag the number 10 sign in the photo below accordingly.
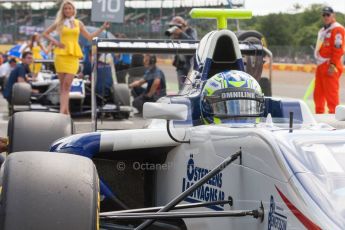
(107, 10)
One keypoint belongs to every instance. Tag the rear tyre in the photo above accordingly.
(266, 87)
(121, 97)
(21, 93)
(121, 94)
(20, 98)
(48, 191)
(36, 131)
(121, 115)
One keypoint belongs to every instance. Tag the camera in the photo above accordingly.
(171, 30)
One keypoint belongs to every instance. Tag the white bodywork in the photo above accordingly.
(263, 172)
(297, 173)
(270, 172)
(208, 43)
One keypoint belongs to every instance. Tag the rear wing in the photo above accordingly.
(161, 46)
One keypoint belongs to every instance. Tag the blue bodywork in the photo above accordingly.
(87, 145)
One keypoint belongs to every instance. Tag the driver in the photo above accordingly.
(231, 97)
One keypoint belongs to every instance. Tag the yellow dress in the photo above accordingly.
(36, 53)
(67, 59)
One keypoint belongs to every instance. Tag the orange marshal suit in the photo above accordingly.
(330, 48)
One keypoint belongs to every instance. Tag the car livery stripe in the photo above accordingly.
(298, 214)
(85, 144)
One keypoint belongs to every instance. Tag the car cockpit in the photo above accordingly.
(218, 51)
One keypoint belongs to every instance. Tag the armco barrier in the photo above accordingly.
(308, 68)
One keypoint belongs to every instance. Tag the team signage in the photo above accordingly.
(276, 219)
(210, 191)
(231, 95)
(108, 11)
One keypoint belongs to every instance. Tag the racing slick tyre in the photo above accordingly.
(266, 87)
(121, 97)
(36, 131)
(20, 98)
(21, 93)
(121, 115)
(52, 191)
(254, 65)
(121, 94)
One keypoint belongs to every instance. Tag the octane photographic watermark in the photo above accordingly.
(144, 166)
(121, 166)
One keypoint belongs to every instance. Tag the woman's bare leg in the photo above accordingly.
(65, 85)
(61, 77)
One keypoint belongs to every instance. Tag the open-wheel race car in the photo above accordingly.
(219, 155)
(112, 97)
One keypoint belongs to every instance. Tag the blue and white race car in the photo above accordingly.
(219, 155)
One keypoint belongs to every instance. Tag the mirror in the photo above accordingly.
(340, 113)
(177, 112)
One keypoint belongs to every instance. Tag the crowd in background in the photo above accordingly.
(287, 46)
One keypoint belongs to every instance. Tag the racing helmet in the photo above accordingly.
(231, 97)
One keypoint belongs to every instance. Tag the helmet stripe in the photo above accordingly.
(237, 83)
(217, 120)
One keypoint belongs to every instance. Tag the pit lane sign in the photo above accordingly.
(108, 10)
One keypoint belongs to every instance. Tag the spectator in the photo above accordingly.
(122, 63)
(156, 25)
(36, 47)
(68, 51)
(3, 144)
(5, 70)
(19, 74)
(1, 58)
(179, 29)
(5, 57)
(328, 53)
(155, 79)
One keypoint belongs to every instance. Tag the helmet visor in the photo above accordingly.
(237, 102)
(237, 108)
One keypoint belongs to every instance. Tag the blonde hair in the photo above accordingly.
(60, 17)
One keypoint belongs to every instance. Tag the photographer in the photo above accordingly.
(179, 29)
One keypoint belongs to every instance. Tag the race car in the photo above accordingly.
(234, 158)
(113, 98)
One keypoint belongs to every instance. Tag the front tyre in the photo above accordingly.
(36, 131)
(52, 191)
